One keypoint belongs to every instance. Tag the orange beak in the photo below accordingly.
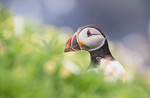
(73, 44)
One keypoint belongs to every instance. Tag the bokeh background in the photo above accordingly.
(33, 34)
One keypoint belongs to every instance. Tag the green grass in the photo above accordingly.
(33, 66)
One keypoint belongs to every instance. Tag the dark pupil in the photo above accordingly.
(88, 33)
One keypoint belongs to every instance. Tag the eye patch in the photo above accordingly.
(89, 33)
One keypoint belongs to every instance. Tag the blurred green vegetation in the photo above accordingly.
(32, 65)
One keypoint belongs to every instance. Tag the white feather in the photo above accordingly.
(113, 70)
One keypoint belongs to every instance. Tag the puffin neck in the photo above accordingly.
(100, 53)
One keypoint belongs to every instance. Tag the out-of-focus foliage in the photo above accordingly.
(33, 65)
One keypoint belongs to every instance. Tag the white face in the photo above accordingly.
(91, 38)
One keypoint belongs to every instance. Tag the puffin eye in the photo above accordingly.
(89, 33)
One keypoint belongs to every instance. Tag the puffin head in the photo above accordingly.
(87, 38)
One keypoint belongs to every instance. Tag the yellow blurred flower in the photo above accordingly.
(49, 67)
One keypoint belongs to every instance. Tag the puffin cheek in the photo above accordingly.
(92, 42)
(96, 42)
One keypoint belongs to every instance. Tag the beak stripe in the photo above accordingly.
(78, 40)
(72, 41)
(75, 44)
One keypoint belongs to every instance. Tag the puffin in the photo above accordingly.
(91, 39)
